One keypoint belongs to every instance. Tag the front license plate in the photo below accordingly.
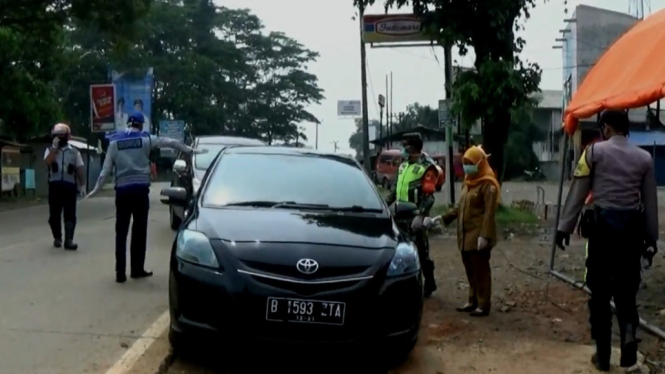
(305, 311)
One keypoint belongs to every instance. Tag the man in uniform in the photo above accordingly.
(65, 172)
(129, 152)
(622, 229)
(416, 183)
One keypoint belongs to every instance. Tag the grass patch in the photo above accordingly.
(505, 216)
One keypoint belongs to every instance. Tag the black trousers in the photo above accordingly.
(614, 271)
(62, 202)
(427, 265)
(131, 205)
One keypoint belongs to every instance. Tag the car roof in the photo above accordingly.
(227, 140)
(289, 151)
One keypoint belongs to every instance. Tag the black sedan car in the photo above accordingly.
(292, 246)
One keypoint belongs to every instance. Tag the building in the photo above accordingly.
(547, 117)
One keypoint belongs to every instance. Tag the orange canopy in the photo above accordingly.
(631, 74)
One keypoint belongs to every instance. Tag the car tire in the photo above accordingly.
(400, 352)
(174, 220)
(180, 344)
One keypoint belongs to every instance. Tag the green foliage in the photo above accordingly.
(500, 80)
(215, 68)
(524, 132)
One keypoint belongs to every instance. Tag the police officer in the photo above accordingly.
(621, 229)
(416, 183)
(129, 152)
(65, 172)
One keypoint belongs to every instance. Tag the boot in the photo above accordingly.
(430, 283)
(69, 236)
(628, 347)
(601, 359)
(57, 243)
(56, 230)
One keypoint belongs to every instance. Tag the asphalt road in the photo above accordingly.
(62, 312)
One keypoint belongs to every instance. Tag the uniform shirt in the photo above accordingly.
(416, 183)
(62, 168)
(623, 178)
(142, 177)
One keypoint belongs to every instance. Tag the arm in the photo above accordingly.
(451, 215)
(163, 142)
(490, 196)
(106, 168)
(579, 190)
(80, 171)
(50, 154)
(650, 203)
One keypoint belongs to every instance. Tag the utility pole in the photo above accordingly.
(392, 107)
(382, 103)
(448, 70)
(335, 146)
(363, 79)
(316, 137)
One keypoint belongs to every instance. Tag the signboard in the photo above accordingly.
(134, 94)
(445, 118)
(10, 168)
(382, 101)
(102, 103)
(349, 108)
(386, 28)
(173, 130)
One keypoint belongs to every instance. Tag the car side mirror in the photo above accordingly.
(174, 196)
(179, 166)
(404, 210)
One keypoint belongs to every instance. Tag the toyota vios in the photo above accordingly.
(292, 246)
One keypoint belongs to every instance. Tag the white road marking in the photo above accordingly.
(140, 346)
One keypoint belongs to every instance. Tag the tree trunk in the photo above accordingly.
(495, 136)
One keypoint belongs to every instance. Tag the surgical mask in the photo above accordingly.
(405, 153)
(470, 169)
(62, 142)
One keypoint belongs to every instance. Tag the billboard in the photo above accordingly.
(102, 102)
(349, 108)
(174, 130)
(387, 28)
(133, 94)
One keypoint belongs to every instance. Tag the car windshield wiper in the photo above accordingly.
(278, 204)
(355, 209)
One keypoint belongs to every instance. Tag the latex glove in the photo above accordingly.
(56, 142)
(482, 243)
(197, 151)
(562, 240)
(417, 223)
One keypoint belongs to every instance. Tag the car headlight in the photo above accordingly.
(196, 184)
(405, 260)
(195, 247)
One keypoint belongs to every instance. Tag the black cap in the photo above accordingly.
(414, 140)
(616, 119)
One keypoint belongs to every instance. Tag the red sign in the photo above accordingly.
(102, 107)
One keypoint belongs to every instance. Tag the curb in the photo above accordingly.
(166, 363)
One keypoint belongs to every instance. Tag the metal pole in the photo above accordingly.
(363, 78)
(562, 173)
(316, 137)
(448, 69)
(392, 106)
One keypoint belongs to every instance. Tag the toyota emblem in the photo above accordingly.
(307, 266)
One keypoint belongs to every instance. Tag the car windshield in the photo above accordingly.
(290, 181)
(203, 161)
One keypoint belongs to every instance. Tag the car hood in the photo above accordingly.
(282, 226)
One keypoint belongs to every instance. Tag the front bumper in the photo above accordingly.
(233, 305)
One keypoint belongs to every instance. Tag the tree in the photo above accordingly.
(500, 81)
(519, 154)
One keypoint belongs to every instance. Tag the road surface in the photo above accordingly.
(61, 311)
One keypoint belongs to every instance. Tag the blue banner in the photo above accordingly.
(133, 95)
(174, 130)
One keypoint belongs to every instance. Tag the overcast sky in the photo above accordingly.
(326, 27)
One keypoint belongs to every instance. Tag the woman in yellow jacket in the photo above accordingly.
(476, 228)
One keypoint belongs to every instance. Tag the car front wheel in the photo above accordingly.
(174, 220)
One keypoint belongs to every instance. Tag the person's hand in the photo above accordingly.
(562, 239)
(197, 151)
(482, 243)
(649, 252)
(417, 223)
(56, 142)
(82, 191)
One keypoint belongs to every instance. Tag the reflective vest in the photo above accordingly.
(411, 178)
(131, 156)
(63, 167)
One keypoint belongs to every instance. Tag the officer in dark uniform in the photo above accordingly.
(416, 183)
(621, 228)
(66, 171)
(129, 152)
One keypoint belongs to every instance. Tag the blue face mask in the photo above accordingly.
(470, 169)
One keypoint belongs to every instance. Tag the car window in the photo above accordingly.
(203, 161)
(244, 177)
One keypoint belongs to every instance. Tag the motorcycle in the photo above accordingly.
(534, 175)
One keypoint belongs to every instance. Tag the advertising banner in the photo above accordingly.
(134, 94)
(102, 102)
(174, 130)
(393, 28)
(349, 108)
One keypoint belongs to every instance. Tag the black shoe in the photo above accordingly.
(429, 289)
(70, 245)
(141, 274)
(120, 277)
(629, 349)
(600, 365)
(57, 243)
(467, 308)
(480, 313)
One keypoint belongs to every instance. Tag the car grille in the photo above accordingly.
(303, 287)
(324, 272)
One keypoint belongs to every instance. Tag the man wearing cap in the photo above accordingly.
(129, 152)
(621, 228)
(65, 174)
